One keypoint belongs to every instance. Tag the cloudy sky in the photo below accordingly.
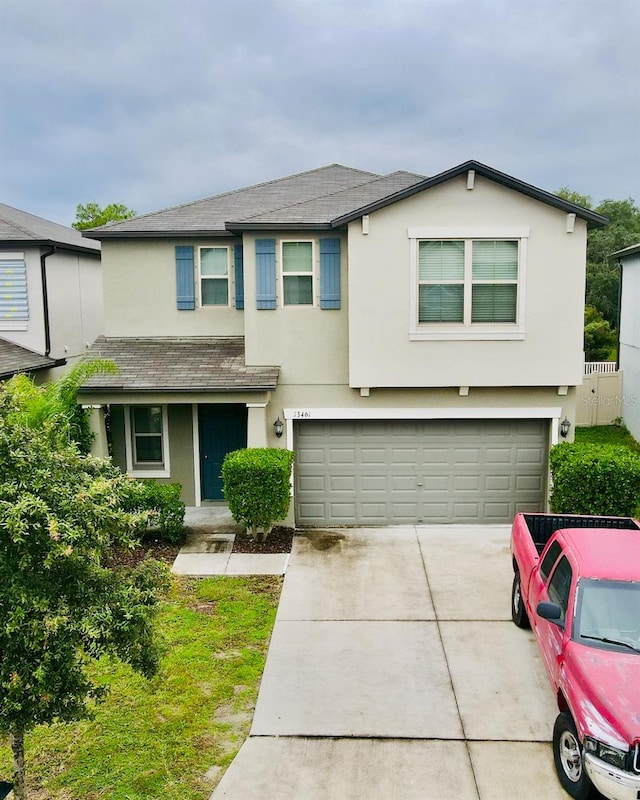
(157, 102)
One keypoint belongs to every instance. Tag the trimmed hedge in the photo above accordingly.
(603, 480)
(256, 486)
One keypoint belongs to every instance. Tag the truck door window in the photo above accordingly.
(550, 558)
(559, 586)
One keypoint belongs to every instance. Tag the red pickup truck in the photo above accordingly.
(577, 584)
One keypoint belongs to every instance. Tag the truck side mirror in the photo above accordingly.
(550, 611)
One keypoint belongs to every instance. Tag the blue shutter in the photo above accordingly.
(265, 273)
(185, 286)
(329, 273)
(239, 268)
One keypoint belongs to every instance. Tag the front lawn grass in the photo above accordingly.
(160, 738)
(607, 434)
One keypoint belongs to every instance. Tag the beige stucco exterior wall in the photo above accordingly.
(139, 279)
(74, 287)
(380, 352)
(309, 344)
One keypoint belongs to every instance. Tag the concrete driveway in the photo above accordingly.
(394, 671)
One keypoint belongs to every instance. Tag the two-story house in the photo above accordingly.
(50, 294)
(417, 341)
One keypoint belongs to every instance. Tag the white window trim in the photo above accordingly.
(134, 472)
(209, 306)
(314, 277)
(18, 325)
(470, 331)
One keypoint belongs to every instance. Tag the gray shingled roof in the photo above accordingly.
(15, 359)
(178, 365)
(211, 214)
(19, 227)
(322, 210)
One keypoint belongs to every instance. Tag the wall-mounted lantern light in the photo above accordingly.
(278, 427)
(564, 428)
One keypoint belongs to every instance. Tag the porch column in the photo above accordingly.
(256, 425)
(99, 446)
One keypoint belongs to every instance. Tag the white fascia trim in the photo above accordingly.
(147, 473)
(195, 427)
(485, 232)
(447, 412)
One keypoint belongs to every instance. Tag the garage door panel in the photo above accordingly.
(381, 472)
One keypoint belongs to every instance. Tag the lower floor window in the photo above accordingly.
(146, 431)
(146, 425)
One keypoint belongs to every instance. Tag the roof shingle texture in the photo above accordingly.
(179, 365)
(20, 226)
(15, 359)
(326, 190)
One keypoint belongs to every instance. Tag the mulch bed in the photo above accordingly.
(278, 541)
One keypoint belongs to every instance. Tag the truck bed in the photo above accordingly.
(543, 526)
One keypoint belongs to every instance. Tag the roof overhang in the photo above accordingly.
(11, 244)
(627, 251)
(592, 219)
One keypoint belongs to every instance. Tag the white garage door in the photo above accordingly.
(374, 472)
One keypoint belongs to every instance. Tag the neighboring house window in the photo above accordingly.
(214, 276)
(468, 286)
(147, 448)
(14, 304)
(297, 273)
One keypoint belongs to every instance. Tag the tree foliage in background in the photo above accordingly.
(92, 216)
(603, 274)
(599, 337)
(59, 606)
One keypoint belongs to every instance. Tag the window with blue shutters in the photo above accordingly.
(14, 302)
(329, 273)
(185, 282)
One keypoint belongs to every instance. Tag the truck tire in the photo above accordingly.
(518, 611)
(567, 755)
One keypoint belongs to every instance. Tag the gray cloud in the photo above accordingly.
(156, 102)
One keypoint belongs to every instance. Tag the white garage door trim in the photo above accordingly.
(552, 413)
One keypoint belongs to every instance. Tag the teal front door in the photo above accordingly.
(223, 428)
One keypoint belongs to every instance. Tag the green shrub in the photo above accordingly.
(161, 502)
(256, 486)
(603, 480)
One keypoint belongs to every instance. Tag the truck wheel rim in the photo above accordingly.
(570, 756)
(516, 598)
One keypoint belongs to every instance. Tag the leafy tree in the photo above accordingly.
(59, 606)
(599, 337)
(91, 215)
(603, 275)
(57, 401)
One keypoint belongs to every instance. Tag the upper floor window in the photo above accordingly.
(467, 281)
(14, 303)
(297, 273)
(468, 286)
(214, 276)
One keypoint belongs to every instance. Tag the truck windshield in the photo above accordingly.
(608, 614)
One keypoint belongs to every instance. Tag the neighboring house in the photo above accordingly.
(420, 338)
(50, 294)
(629, 341)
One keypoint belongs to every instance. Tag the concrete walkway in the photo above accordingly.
(207, 548)
(395, 673)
